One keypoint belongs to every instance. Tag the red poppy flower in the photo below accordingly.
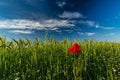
(74, 49)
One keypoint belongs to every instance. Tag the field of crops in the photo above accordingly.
(50, 60)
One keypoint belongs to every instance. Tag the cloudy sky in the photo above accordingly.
(73, 19)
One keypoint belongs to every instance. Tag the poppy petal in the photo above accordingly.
(74, 49)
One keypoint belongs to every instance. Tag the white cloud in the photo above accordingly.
(74, 15)
(80, 33)
(90, 33)
(86, 33)
(87, 22)
(61, 4)
(20, 24)
(58, 23)
(69, 31)
(51, 24)
(21, 31)
(93, 24)
(110, 34)
(58, 31)
(71, 15)
(108, 28)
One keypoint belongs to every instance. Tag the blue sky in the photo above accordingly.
(73, 19)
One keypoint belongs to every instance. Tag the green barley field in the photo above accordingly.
(50, 60)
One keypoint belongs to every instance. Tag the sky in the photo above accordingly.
(73, 19)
